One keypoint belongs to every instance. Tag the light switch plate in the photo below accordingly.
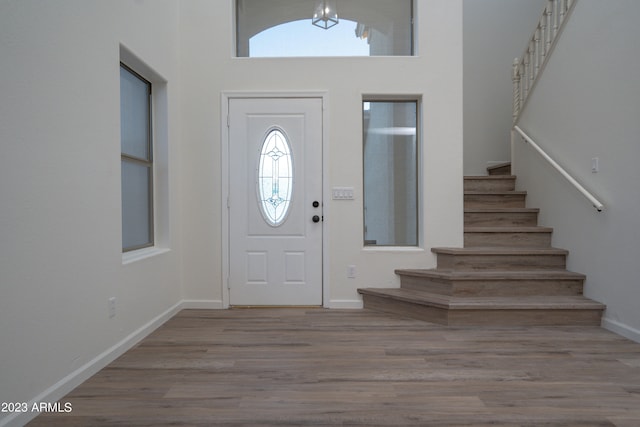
(342, 193)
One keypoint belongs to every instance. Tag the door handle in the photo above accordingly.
(315, 218)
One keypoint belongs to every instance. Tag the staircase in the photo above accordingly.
(507, 273)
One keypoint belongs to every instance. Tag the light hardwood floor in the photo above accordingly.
(290, 367)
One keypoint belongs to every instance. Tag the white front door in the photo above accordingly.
(275, 201)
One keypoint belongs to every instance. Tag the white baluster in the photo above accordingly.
(548, 13)
(525, 74)
(526, 69)
(536, 51)
(543, 36)
(532, 61)
(556, 7)
(523, 83)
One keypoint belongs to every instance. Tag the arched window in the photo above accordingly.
(284, 28)
(275, 178)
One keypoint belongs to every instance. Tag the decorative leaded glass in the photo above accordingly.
(275, 178)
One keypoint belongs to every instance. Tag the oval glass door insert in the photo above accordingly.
(275, 178)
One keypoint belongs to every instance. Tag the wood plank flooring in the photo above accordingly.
(299, 367)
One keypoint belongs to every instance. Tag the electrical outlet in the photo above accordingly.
(351, 271)
(112, 307)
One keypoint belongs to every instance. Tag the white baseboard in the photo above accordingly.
(621, 329)
(77, 377)
(345, 304)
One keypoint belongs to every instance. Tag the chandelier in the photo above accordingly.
(325, 14)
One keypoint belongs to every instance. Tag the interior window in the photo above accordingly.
(285, 28)
(136, 160)
(390, 173)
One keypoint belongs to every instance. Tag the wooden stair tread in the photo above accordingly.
(501, 210)
(556, 302)
(499, 166)
(507, 229)
(507, 273)
(498, 216)
(489, 177)
(492, 274)
(495, 193)
(497, 250)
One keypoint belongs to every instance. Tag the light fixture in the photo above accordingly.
(325, 14)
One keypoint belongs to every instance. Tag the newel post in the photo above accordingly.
(516, 88)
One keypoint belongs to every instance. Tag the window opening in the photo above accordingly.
(390, 139)
(284, 28)
(136, 160)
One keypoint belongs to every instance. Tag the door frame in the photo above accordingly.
(225, 98)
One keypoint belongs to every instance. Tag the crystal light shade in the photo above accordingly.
(325, 14)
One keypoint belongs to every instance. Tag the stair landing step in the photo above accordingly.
(478, 311)
(561, 302)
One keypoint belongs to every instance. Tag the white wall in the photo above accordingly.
(495, 32)
(435, 74)
(587, 105)
(60, 251)
(60, 234)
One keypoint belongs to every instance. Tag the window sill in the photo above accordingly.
(140, 254)
(393, 249)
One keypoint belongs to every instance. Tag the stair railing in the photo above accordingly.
(595, 202)
(528, 67)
